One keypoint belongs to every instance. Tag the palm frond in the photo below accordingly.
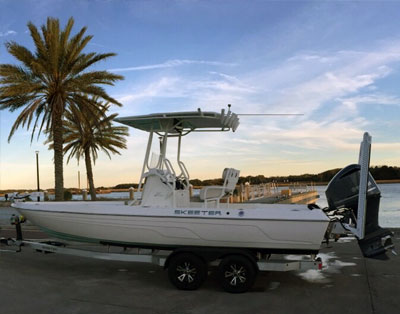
(92, 130)
(20, 52)
(49, 82)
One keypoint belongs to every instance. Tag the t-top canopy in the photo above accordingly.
(178, 122)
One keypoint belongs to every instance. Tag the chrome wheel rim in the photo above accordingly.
(186, 272)
(235, 275)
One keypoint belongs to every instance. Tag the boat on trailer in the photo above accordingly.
(165, 215)
(204, 229)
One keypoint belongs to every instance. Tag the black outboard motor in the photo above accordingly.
(343, 192)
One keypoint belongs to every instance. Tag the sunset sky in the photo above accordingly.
(337, 62)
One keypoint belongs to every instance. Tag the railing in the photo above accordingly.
(248, 192)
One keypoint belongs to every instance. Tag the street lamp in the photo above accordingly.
(37, 170)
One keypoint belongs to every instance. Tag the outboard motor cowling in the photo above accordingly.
(343, 192)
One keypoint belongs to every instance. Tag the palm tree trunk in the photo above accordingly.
(89, 174)
(58, 158)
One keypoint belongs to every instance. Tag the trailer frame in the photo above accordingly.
(201, 258)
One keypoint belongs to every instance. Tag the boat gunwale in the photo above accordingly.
(175, 216)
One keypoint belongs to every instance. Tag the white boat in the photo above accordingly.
(165, 216)
(293, 228)
(203, 231)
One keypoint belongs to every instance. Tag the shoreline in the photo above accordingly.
(110, 190)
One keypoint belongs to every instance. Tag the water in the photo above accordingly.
(389, 209)
(112, 195)
(78, 197)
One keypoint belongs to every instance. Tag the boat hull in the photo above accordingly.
(171, 228)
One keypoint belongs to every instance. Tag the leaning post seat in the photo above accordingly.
(158, 188)
(216, 192)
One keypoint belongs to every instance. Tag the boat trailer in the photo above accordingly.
(187, 266)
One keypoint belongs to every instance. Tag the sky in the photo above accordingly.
(335, 62)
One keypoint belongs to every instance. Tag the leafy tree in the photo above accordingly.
(378, 172)
(51, 80)
(126, 186)
(87, 133)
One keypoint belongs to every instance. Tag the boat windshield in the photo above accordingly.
(154, 161)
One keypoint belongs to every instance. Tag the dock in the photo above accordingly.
(273, 193)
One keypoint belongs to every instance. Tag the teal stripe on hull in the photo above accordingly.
(70, 237)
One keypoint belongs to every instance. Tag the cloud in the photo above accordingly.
(317, 91)
(306, 83)
(328, 87)
(163, 87)
(206, 92)
(171, 64)
(351, 106)
(371, 99)
(343, 135)
(312, 58)
(7, 33)
(387, 146)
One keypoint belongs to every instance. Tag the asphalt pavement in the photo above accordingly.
(32, 282)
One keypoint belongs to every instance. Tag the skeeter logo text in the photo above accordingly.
(198, 212)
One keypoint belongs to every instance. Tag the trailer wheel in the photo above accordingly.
(187, 271)
(237, 273)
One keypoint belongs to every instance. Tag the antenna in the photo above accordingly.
(270, 114)
(265, 114)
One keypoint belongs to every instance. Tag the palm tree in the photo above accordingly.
(50, 81)
(86, 134)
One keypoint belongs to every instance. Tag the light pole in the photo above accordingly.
(37, 170)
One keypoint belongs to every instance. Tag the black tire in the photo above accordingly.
(187, 271)
(237, 273)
